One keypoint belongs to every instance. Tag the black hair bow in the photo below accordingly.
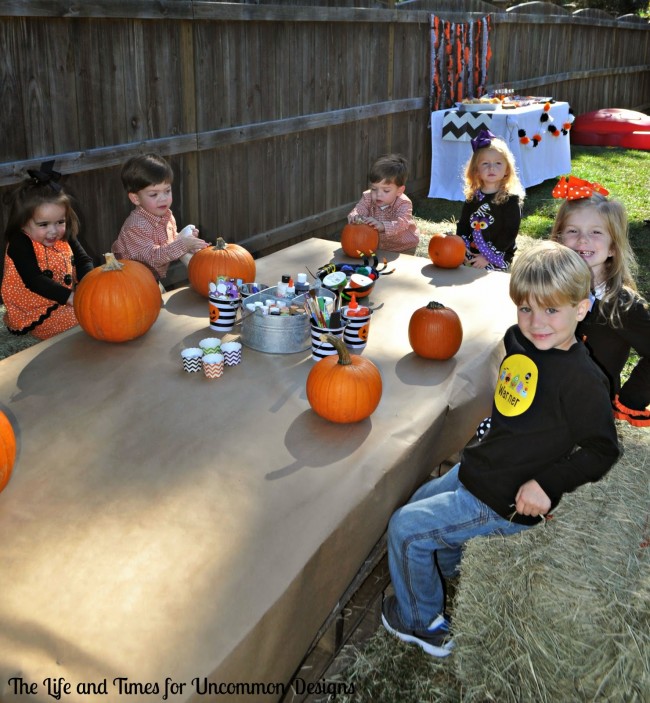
(46, 175)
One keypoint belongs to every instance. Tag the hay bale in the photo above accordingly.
(562, 612)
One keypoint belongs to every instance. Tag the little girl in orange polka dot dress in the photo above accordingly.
(43, 260)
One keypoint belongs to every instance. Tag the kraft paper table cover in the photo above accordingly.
(549, 159)
(160, 525)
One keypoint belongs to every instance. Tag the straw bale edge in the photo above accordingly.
(561, 612)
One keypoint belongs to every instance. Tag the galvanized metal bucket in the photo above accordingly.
(277, 334)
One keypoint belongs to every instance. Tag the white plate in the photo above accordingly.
(477, 107)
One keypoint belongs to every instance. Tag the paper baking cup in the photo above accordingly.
(210, 345)
(231, 353)
(192, 359)
(213, 365)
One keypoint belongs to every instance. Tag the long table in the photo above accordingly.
(535, 164)
(166, 530)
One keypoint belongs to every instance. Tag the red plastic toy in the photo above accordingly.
(612, 127)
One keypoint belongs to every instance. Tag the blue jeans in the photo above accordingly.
(425, 542)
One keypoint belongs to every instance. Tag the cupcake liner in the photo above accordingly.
(213, 365)
(213, 370)
(210, 345)
(192, 365)
(232, 353)
(192, 359)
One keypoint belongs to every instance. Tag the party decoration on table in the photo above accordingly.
(223, 304)
(447, 250)
(435, 331)
(231, 353)
(225, 260)
(213, 365)
(359, 240)
(460, 57)
(525, 140)
(7, 450)
(192, 359)
(346, 388)
(247, 289)
(360, 280)
(572, 188)
(210, 345)
(279, 325)
(357, 327)
(118, 301)
(546, 119)
(464, 126)
(566, 126)
(546, 113)
(320, 346)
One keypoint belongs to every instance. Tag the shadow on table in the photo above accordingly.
(340, 255)
(62, 368)
(453, 277)
(186, 301)
(316, 442)
(413, 370)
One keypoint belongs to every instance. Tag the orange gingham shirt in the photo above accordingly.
(401, 232)
(149, 239)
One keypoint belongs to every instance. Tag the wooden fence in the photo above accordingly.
(270, 114)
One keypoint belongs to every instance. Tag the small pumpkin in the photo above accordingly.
(435, 331)
(359, 240)
(118, 301)
(343, 388)
(229, 260)
(447, 250)
(7, 450)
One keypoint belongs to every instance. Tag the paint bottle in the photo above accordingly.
(282, 287)
(302, 286)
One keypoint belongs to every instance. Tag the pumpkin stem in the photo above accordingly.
(434, 306)
(337, 343)
(221, 243)
(112, 264)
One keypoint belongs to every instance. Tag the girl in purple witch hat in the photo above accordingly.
(489, 221)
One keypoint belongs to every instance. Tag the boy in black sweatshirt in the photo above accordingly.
(551, 430)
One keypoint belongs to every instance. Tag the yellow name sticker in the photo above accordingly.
(516, 385)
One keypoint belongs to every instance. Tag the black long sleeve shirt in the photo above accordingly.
(551, 422)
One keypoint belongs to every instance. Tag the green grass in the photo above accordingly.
(624, 172)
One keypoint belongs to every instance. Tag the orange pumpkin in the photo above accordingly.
(117, 301)
(343, 388)
(435, 332)
(447, 250)
(7, 450)
(229, 260)
(360, 240)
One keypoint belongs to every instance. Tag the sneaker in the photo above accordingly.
(435, 640)
(637, 418)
